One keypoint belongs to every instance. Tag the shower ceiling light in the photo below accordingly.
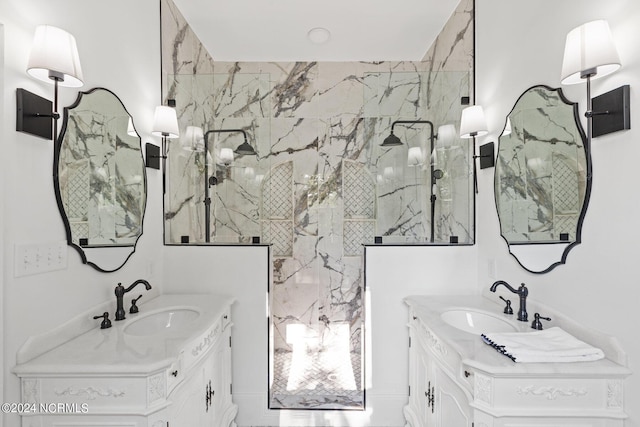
(319, 35)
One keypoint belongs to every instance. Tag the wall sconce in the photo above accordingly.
(193, 139)
(507, 128)
(446, 135)
(414, 156)
(589, 53)
(54, 59)
(473, 124)
(165, 124)
(226, 156)
(131, 130)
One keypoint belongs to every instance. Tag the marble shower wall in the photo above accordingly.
(320, 185)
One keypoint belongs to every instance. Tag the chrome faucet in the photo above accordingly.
(522, 292)
(120, 291)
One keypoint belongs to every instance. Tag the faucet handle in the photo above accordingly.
(134, 307)
(537, 324)
(507, 308)
(106, 323)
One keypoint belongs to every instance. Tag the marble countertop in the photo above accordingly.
(474, 353)
(112, 351)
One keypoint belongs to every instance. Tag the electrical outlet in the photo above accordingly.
(39, 258)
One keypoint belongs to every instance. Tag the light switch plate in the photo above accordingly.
(39, 258)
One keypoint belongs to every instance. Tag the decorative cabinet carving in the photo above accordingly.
(455, 380)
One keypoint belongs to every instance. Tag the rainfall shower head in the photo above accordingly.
(391, 141)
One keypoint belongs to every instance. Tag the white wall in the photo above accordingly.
(120, 51)
(598, 286)
(2, 126)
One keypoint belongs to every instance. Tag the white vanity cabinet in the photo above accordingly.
(178, 375)
(204, 398)
(435, 399)
(455, 380)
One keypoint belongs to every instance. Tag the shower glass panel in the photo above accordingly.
(319, 187)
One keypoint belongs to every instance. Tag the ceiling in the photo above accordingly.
(276, 30)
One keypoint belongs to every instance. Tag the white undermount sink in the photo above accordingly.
(166, 320)
(477, 322)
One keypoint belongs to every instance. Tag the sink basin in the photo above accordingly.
(169, 319)
(477, 322)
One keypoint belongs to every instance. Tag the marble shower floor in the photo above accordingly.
(320, 381)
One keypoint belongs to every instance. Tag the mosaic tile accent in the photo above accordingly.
(357, 232)
(359, 191)
(277, 191)
(316, 383)
(565, 181)
(280, 235)
(77, 197)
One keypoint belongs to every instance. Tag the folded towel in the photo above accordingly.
(550, 345)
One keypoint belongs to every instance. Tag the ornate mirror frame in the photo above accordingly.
(535, 253)
(110, 180)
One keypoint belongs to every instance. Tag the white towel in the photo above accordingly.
(550, 345)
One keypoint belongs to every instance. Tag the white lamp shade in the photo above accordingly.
(165, 122)
(193, 139)
(446, 135)
(54, 51)
(507, 128)
(414, 156)
(473, 122)
(226, 156)
(589, 47)
(131, 131)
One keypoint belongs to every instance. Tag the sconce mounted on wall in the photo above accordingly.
(165, 124)
(32, 117)
(590, 53)
(473, 124)
(53, 59)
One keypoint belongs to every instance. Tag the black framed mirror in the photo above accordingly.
(542, 179)
(99, 179)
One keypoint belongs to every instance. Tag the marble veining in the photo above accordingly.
(320, 185)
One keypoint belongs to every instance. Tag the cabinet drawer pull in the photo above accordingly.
(430, 394)
(208, 394)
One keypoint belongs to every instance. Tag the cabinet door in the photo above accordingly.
(214, 385)
(451, 404)
(426, 383)
(188, 400)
